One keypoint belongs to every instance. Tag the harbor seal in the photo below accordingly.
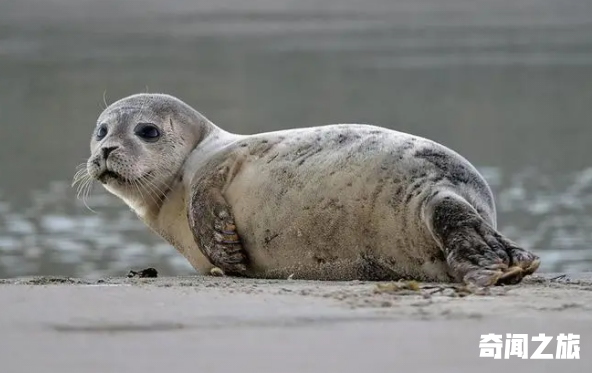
(333, 202)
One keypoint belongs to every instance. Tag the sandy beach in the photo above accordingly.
(207, 324)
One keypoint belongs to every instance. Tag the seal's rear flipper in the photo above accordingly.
(476, 253)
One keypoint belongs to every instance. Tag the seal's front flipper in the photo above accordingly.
(476, 253)
(214, 229)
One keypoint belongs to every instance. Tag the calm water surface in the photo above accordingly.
(505, 83)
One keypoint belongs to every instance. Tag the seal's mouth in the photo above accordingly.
(109, 175)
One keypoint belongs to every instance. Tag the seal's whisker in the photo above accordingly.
(135, 185)
(154, 195)
(148, 190)
(105, 99)
(81, 184)
(161, 191)
(80, 168)
(81, 172)
(80, 176)
(156, 190)
(139, 187)
(84, 192)
(81, 165)
(86, 196)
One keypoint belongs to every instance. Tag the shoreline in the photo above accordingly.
(226, 324)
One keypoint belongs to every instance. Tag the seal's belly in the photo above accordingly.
(318, 212)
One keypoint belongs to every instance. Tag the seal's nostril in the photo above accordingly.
(107, 150)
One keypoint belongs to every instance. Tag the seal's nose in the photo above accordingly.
(107, 150)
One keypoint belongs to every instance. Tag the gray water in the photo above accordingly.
(507, 83)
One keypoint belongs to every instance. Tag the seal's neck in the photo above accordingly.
(143, 201)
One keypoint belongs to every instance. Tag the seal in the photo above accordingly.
(333, 202)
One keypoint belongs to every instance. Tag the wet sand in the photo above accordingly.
(223, 325)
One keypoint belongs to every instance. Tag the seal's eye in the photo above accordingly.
(101, 131)
(147, 132)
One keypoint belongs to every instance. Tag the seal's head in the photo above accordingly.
(140, 144)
